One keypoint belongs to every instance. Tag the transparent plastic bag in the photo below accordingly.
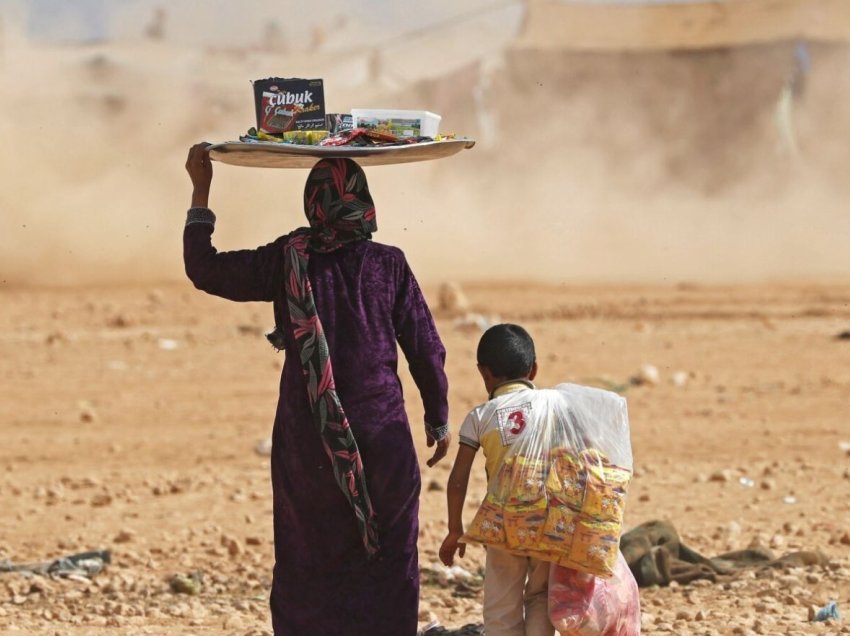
(581, 604)
(560, 492)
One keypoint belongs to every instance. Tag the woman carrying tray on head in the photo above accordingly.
(344, 470)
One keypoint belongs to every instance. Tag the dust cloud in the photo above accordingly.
(719, 166)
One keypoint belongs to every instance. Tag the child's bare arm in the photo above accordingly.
(456, 497)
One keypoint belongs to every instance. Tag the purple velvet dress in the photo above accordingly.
(368, 300)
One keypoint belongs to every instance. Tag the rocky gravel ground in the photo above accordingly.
(131, 418)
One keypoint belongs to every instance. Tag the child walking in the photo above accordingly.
(515, 587)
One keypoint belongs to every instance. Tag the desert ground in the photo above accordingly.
(130, 418)
(628, 208)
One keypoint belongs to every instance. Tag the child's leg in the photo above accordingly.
(537, 621)
(504, 580)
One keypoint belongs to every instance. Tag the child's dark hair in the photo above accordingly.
(507, 350)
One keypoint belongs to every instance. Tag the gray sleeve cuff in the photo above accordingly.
(437, 432)
(200, 215)
(469, 442)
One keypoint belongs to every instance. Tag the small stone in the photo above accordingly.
(168, 344)
(119, 321)
(813, 578)
(253, 541)
(680, 378)
(125, 536)
(100, 500)
(156, 297)
(722, 476)
(646, 375)
(426, 616)
(233, 545)
(768, 484)
(181, 584)
(234, 621)
(234, 548)
(435, 486)
(845, 539)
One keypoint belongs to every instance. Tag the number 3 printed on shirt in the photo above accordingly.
(519, 422)
(512, 421)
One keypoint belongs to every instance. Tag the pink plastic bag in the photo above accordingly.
(581, 604)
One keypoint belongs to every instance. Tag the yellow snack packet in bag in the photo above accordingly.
(527, 481)
(565, 483)
(524, 525)
(488, 526)
(594, 547)
(559, 529)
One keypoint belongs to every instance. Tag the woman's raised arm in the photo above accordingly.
(242, 275)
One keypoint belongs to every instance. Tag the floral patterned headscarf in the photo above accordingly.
(338, 205)
(340, 210)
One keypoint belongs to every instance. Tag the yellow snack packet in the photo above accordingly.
(524, 525)
(594, 547)
(488, 526)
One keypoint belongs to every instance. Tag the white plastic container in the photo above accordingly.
(402, 123)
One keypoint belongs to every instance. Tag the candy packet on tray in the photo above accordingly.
(285, 105)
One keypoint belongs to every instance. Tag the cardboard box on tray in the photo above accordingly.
(284, 105)
(401, 123)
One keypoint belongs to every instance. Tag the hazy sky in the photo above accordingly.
(227, 22)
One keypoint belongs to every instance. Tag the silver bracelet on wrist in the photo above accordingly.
(437, 432)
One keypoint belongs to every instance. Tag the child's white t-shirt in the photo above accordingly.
(496, 424)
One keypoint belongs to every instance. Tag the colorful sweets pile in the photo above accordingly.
(292, 111)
